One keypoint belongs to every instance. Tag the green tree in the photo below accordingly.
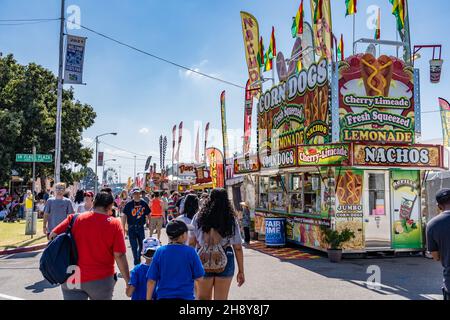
(28, 96)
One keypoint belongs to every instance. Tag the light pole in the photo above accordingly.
(96, 156)
(103, 172)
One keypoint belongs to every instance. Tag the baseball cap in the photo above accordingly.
(89, 194)
(176, 228)
(150, 244)
(443, 195)
(135, 190)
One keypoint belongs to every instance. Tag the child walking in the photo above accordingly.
(176, 267)
(137, 287)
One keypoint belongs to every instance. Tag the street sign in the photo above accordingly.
(44, 158)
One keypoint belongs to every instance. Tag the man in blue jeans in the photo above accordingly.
(136, 213)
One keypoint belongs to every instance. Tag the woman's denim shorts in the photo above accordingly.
(229, 269)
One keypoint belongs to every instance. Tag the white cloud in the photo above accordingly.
(87, 141)
(144, 131)
(192, 74)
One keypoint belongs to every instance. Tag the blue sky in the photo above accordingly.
(142, 98)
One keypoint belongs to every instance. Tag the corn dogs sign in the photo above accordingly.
(376, 100)
(296, 112)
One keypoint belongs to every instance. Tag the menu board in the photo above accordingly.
(376, 100)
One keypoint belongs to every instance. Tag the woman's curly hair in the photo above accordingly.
(217, 214)
(190, 206)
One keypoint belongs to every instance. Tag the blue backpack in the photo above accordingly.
(60, 254)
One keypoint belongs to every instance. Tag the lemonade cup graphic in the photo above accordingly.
(406, 208)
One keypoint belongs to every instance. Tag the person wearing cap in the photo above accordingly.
(438, 238)
(136, 214)
(137, 288)
(56, 209)
(176, 267)
(87, 204)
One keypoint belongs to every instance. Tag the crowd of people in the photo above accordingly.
(203, 253)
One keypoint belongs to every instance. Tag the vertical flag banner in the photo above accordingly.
(322, 26)
(378, 30)
(101, 156)
(180, 139)
(217, 168)
(73, 69)
(351, 7)
(248, 118)
(224, 125)
(174, 141)
(271, 52)
(400, 11)
(261, 61)
(206, 140)
(250, 29)
(164, 153)
(341, 54)
(445, 116)
(197, 147)
(297, 24)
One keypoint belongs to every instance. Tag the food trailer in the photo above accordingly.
(337, 148)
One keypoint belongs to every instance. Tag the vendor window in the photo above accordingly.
(311, 193)
(264, 192)
(377, 194)
(296, 194)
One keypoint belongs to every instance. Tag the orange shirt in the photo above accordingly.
(157, 208)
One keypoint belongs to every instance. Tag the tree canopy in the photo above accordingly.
(28, 95)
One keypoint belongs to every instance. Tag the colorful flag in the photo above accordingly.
(261, 60)
(250, 30)
(224, 125)
(445, 116)
(297, 25)
(351, 7)
(318, 11)
(271, 52)
(399, 10)
(378, 30)
(273, 45)
(341, 49)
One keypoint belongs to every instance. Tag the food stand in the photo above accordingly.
(337, 148)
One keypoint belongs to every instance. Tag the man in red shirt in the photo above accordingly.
(100, 243)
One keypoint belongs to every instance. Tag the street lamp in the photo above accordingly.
(96, 156)
(103, 172)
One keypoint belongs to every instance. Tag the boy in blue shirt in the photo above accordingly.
(137, 287)
(175, 267)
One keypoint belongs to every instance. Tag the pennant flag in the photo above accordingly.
(297, 25)
(206, 139)
(273, 45)
(261, 60)
(180, 139)
(351, 7)
(318, 11)
(268, 62)
(378, 30)
(174, 141)
(341, 49)
(399, 11)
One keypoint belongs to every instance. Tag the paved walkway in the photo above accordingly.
(291, 274)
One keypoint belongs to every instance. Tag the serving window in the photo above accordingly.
(263, 193)
(304, 193)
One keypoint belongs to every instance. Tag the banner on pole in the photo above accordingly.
(248, 118)
(206, 140)
(224, 125)
(250, 29)
(445, 116)
(101, 156)
(180, 139)
(216, 163)
(73, 69)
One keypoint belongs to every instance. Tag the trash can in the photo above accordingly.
(31, 222)
(275, 232)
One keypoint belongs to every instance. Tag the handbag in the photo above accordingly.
(212, 255)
